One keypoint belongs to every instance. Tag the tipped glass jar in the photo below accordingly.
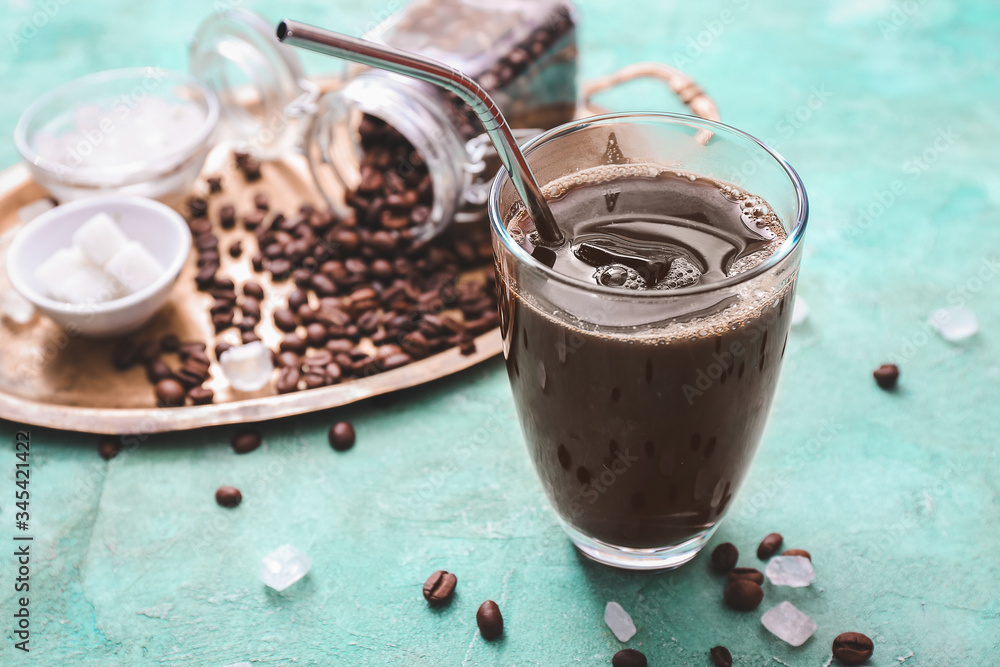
(382, 143)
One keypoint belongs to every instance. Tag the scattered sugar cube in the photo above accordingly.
(789, 624)
(54, 273)
(134, 267)
(793, 571)
(100, 238)
(28, 213)
(89, 285)
(955, 324)
(283, 567)
(247, 367)
(619, 621)
(800, 311)
(15, 306)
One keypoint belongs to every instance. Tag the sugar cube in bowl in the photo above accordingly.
(156, 228)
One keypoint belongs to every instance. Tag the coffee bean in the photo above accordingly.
(314, 380)
(747, 574)
(288, 380)
(394, 361)
(206, 276)
(721, 656)
(333, 373)
(489, 620)
(258, 262)
(245, 442)
(886, 376)
(207, 242)
(124, 354)
(322, 285)
(629, 657)
(280, 269)
(214, 184)
(341, 436)
(253, 220)
(743, 595)
(261, 201)
(852, 648)
(222, 321)
(197, 206)
(798, 552)
(415, 344)
(316, 334)
(292, 342)
(249, 337)
(236, 249)
(169, 393)
(253, 290)
(297, 299)
(157, 370)
(286, 359)
(227, 216)
(284, 320)
(108, 447)
(439, 587)
(201, 395)
(169, 343)
(250, 167)
(228, 496)
(769, 546)
(192, 348)
(724, 557)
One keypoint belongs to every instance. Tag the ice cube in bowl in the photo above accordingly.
(160, 230)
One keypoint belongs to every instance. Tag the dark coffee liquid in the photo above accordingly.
(642, 437)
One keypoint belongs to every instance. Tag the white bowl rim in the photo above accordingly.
(177, 224)
(166, 162)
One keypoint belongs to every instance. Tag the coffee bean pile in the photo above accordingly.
(370, 294)
(744, 592)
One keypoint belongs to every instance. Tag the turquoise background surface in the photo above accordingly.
(896, 495)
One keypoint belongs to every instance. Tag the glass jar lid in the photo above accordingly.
(262, 90)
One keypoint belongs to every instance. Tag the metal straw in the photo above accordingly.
(418, 67)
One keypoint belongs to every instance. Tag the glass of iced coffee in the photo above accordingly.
(644, 351)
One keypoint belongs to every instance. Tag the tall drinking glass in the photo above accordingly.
(642, 408)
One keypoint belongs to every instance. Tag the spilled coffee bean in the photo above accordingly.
(108, 447)
(743, 595)
(245, 442)
(852, 648)
(724, 557)
(341, 436)
(440, 586)
(747, 574)
(721, 657)
(489, 620)
(797, 552)
(629, 657)
(228, 496)
(886, 376)
(769, 546)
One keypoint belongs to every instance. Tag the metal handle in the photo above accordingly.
(684, 86)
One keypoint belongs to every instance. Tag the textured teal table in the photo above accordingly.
(889, 109)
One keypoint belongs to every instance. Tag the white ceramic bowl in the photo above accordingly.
(156, 226)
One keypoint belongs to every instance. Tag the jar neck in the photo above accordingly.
(412, 108)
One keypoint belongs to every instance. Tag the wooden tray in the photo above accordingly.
(48, 378)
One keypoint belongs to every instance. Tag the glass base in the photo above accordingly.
(662, 558)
